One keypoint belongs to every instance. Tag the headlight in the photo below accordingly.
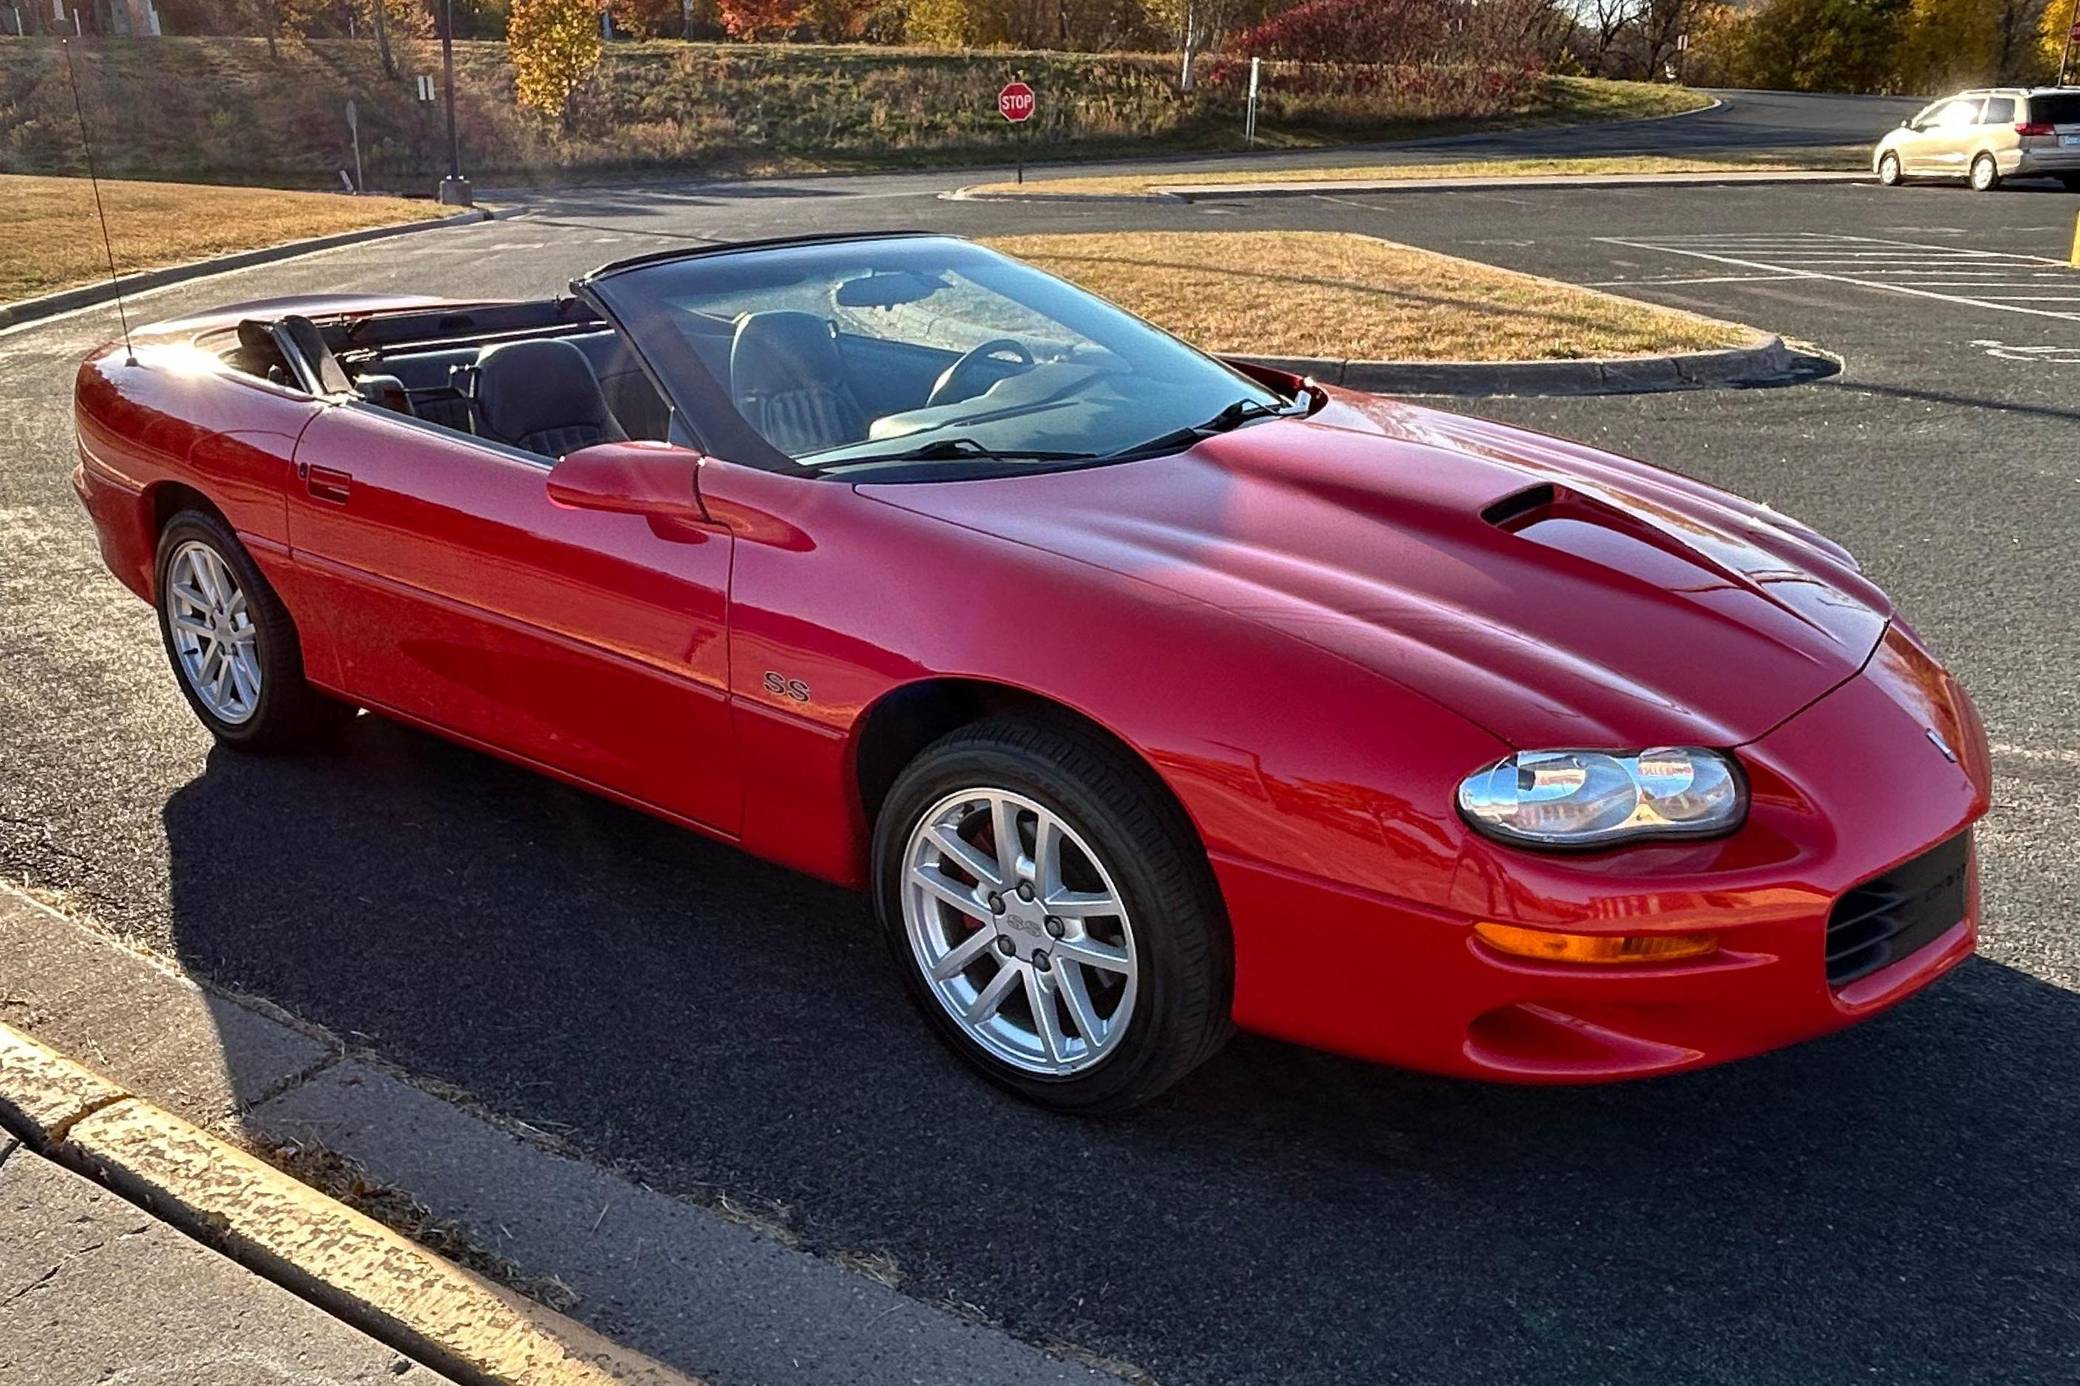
(1591, 798)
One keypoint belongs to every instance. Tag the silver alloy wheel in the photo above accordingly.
(214, 639)
(1020, 931)
(1985, 173)
(1888, 170)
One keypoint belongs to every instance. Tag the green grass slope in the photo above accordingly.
(220, 110)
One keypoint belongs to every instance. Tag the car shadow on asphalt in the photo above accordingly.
(1893, 1202)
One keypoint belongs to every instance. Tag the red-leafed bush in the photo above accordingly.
(761, 19)
(1491, 33)
(1352, 31)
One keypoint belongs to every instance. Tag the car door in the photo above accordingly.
(455, 592)
(1951, 143)
(1918, 138)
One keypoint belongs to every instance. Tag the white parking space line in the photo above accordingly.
(2003, 281)
(1693, 279)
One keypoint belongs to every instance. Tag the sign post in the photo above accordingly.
(1016, 103)
(1249, 123)
(354, 128)
(2072, 32)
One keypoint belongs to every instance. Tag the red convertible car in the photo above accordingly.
(1150, 695)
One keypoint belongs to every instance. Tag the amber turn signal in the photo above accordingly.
(1548, 946)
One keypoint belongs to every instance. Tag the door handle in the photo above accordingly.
(328, 484)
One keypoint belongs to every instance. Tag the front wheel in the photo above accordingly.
(231, 642)
(1889, 171)
(1053, 915)
(1986, 174)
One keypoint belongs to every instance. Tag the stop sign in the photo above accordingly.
(1016, 102)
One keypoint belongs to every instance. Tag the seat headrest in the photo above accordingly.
(783, 350)
(541, 390)
(310, 344)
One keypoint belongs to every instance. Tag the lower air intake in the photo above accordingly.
(1889, 916)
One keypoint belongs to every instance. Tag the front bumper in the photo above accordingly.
(1848, 789)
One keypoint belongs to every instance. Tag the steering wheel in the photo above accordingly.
(953, 383)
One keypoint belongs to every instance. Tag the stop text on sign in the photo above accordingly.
(1016, 102)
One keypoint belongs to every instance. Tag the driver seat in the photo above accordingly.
(788, 381)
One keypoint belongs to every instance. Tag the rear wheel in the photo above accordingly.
(1053, 915)
(1888, 170)
(232, 645)
(1986, 174)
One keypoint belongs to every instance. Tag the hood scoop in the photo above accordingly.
(1659, 548)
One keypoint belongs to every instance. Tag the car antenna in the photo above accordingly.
(94, 181)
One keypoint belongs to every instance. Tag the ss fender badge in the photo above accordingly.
(1935, 738)
(781, 687)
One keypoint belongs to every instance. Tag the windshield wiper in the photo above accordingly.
(1234, 416)
(960, 450)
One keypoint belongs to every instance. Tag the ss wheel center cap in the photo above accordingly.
(1023, 924)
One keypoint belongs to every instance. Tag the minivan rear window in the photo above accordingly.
(2061, 109)
(2000, 110)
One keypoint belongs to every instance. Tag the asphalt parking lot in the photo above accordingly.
(1894, 1203)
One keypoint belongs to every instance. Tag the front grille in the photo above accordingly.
(1889, 916)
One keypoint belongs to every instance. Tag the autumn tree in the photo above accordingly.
(761, 19)
(555, 47)
(654, 18)
(2053, 26)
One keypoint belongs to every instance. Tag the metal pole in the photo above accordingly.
(2065, 54)
(454, 188)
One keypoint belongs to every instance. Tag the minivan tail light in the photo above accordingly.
(2035, 127)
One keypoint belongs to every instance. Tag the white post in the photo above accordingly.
(354, 127)
(1256, 67)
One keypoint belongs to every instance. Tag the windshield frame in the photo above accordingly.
(705, 415)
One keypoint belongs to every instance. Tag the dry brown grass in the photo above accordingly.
(1781, 161)
(49, 238)
(1345, 296)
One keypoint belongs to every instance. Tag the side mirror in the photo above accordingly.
(631, 478)
(1906, 125)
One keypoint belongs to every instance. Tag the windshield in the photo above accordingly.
(914, 351)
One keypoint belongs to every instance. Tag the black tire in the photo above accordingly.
(1889, 171)
(1985, 174)
(287, 711)
(2071, 181)
(1117, 806)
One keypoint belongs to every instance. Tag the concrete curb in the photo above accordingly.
(1179, 194)
(1768, 361)
(389, 1287)
(709, 1291)
(87, 295)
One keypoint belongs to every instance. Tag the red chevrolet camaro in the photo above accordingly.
(1150, 695)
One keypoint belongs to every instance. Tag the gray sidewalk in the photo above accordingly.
(94, 1289)
(685, 1285)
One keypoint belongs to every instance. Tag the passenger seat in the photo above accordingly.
(542, 396)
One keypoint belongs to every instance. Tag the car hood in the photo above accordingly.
(1550, 593)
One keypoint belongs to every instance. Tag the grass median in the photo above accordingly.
(50, 238)
(1343, 296)
(1143, 184)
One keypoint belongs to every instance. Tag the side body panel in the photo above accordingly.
(448, 587)
(1277, 750)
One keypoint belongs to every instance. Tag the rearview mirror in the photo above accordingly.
(886, 289)
(630, 478)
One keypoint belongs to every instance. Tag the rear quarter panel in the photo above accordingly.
(173, 416)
